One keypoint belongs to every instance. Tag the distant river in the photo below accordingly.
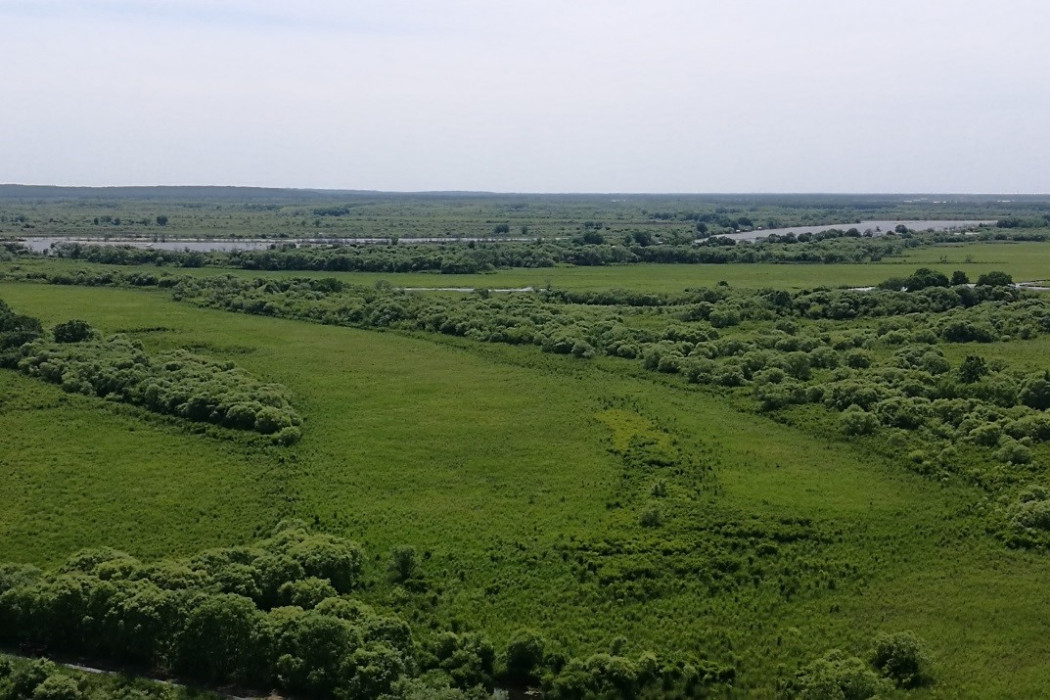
(43, 243)
(876, 227)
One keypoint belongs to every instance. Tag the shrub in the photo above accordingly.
(287, 436)
(269, 420)
(968, 332)
(650, 517)
(524, 656)
(901, 657)
(1031, 510)
(987, 435)
(1013, 452)
(58, 687)
(838, 676)
(74, 331)
(973, 367)
(403, 564)
(856, 421)
(995, 278)
(858, 359)
(1035, 391)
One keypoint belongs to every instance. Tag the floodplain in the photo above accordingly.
(583, 465)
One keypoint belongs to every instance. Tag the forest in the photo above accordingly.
(628, 457)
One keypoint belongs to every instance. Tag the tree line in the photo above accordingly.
(177, 383)
(283, 613)
(589, 249)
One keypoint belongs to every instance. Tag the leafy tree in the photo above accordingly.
(57, 687)
(403, 564)
(959, 277)
(24, 680)
(838, 676)
(524, 656)
(1035, 391)
(901, 657)
(924, 278)
(217, 639)
(73, 331)
(857, 421)
(306, 593)
(593, 237)
(973, 367)
(327, 557)
(995, 278)
(162, 220)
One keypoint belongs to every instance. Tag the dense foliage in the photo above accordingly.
(833, 246)
(176, 383)
(15, 331)
(282, 613)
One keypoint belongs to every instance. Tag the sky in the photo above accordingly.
(530, 95)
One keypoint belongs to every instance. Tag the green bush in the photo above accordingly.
(1013, 452)
(58, 687)
(836, 676)
(524, 656)
(902, 657)
(74, 331)
(856, 421)
(403, 563)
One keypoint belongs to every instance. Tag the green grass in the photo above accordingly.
(78, 472)
(1026, 261)
(505, 468)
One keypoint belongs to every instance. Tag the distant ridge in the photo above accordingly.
(188, 193)
(286, 195)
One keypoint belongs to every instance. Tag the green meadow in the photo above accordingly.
(712, 489)
(511, 472)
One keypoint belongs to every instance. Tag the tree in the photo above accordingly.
(959, 277)
(923, 278)
(524, 656)
(217, 639)
(972, 369)
(901, 657)
(403, 564)
(57, 687)
(162, 220)
(593, 237)
(836, 675)
(995, 278)
(72, 331)
(1035, 391)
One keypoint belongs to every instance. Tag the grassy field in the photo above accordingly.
(511, 472)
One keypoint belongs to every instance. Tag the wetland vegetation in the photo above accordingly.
(681, 466)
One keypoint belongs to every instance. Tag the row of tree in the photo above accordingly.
(176, 383)
(591, 249)
(282, 614)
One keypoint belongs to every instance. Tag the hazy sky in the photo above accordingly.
(530, 95)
